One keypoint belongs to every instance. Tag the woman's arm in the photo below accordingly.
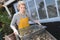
(13, 24)
(35, 21)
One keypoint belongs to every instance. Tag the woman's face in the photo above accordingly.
(22, 8)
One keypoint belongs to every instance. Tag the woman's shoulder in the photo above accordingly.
(16, 14)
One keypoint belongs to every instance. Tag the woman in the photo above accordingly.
(21, 19)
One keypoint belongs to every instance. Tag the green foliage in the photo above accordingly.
(4, 17)
(5, 23)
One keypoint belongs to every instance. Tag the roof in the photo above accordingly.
(6, 2)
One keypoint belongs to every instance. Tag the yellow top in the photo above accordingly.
(23, 23)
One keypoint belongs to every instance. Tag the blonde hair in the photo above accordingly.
(20, 3)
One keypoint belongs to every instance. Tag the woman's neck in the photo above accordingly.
(23, 13)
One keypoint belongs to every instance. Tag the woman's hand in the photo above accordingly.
(37, 21)
(15, 32)
(14, 29)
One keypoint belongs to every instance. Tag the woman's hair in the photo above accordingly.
(20, 3)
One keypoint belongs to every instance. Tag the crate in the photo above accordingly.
(39, 33)
(10, 37)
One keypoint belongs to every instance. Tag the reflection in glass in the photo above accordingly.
(41, 9)
(52, 12)
(34, 14)
(58, 2)
(32, 8)
(31, 4)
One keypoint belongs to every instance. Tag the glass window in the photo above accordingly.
(58, 2)
(41, 9)
(32, 9)
(31, 4)
(51, 8)
(34, 13)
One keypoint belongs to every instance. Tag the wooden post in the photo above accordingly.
(7, 10)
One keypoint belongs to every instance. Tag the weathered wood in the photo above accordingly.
(10, 37)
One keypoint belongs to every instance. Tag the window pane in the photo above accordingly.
(52, 12)
(41, 9)
(32, 9)
(31, 4)
(58, 2)
(34, 13)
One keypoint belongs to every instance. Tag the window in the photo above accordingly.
(32, 9)
(58, 3)
(41, 9)
(51, 8)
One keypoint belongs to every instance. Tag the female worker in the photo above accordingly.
(21, 20)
